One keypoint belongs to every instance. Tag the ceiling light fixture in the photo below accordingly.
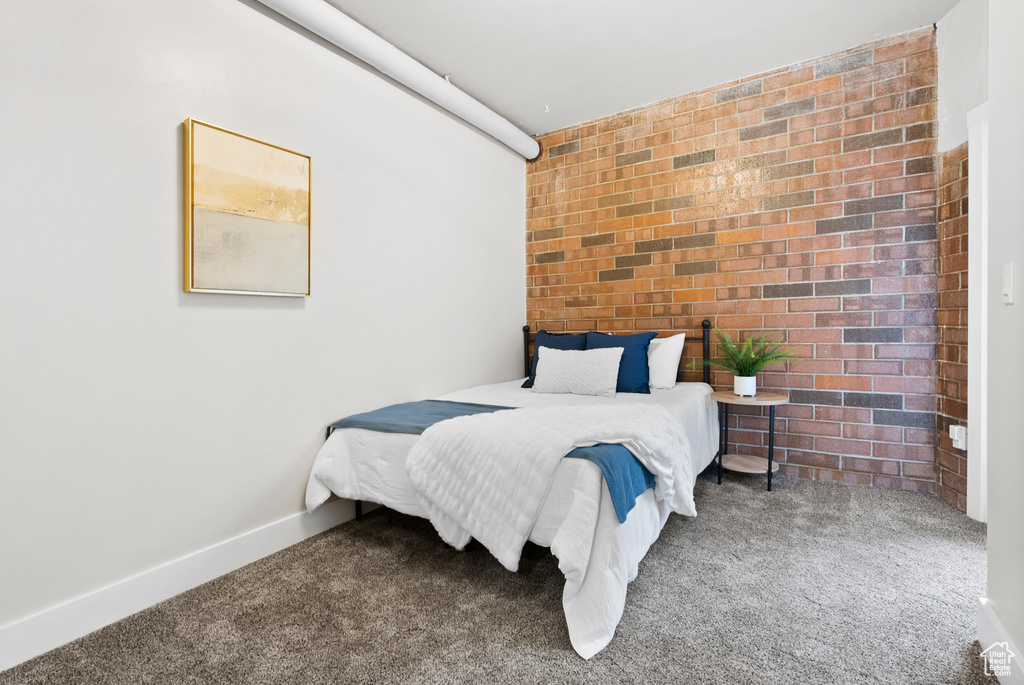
(355, 39)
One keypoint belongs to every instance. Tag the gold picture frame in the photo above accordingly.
(247, 208)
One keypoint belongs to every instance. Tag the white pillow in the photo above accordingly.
(578, 372)
(663, 357)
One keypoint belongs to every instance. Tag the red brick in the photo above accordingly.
(954, 481)
(788, 78)
(874, 368)
(816, 366)
(744, 437)
(953, 463)
(823, 428)
(843, 320)
(890, 468)
(795, 411)
(904, 452)
(843, 446)
(876, 434)
(923, 470)
(845, 351)
(814, 304)
(803, 90)
(816, 459)
(905, 352)
(850, 414)
(952, 498)
(852, 383)
(921, 44)
(788, 381)
(754, 423)
(814, 335)
(794, 441)
(925, 403)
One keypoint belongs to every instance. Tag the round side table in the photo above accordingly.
(741, 462)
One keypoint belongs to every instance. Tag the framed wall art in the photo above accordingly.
(246, 215)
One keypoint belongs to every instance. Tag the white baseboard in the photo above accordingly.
(990, 632)
(49, 629)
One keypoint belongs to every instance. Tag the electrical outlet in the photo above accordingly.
(1008, 283)
(958, 434)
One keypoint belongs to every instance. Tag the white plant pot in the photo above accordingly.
(744, 386)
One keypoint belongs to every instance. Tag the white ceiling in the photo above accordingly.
(547, 64)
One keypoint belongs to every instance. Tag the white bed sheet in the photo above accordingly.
(598, 555)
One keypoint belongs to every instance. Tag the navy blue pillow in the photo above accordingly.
(558, 341)
(634, 375)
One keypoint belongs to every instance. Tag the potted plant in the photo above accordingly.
(746, 359)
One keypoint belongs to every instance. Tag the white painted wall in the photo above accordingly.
(139, 423)
(1006, 365)
(962, 42)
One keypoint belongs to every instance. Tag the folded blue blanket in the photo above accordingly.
(624, 475)
(413, 417)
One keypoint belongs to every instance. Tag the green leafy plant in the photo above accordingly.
(748, 358)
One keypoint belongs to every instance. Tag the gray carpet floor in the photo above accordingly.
(812, 583)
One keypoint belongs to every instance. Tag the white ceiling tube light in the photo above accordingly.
(334, 26)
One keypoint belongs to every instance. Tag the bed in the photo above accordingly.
(598, 549)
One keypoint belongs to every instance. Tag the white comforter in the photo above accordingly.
(486, 476)
(598, 555)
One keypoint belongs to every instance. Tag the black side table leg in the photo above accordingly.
(725, 435)
(725, 430)
(721, 449)
(771, 443)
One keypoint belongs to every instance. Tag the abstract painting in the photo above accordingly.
(246, 215)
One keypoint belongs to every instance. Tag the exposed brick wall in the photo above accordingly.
(800, 202)
(952, 320)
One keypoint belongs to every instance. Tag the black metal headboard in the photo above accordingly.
(705, 349)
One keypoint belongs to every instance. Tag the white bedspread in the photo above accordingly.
(598, 555)
(486, 476)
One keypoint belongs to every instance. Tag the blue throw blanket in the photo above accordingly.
(624, 475)
(413, 417)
